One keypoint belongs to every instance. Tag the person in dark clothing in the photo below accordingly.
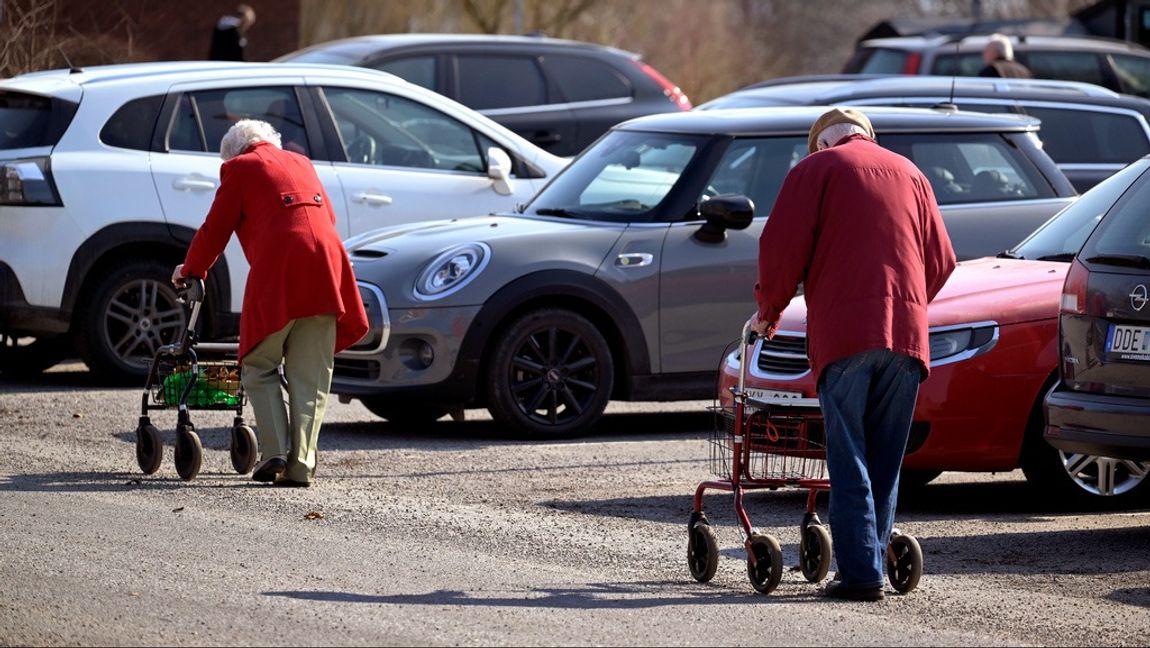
(998, 55)
(229, 36)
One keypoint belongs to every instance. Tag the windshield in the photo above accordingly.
(624, 178)
(1060, 238)
(1123, 237)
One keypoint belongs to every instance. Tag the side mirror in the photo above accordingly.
(729, 211)
(499, 170)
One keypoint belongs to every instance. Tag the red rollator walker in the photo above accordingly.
(758, 445)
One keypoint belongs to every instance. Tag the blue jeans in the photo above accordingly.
(867, 401)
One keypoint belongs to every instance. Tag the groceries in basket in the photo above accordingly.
(213, 386)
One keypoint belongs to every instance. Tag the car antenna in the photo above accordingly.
(72, 69)
(949, 105)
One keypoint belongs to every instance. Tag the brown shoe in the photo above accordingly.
(269, 469)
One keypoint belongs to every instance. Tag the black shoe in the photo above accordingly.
(269, 469)
(836, 589)
(284, 482)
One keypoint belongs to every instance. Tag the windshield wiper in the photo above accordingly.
(1006, 254)
(555, 211)
(1127, 260)
(1061, 256)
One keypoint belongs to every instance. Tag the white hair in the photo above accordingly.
(244, 133)
(1000, 46)
(831, 135)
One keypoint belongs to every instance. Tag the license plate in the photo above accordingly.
(781, 397)
(1129, 342)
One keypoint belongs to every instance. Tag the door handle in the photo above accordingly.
(545, 137)
(193, 183)
(371, 198)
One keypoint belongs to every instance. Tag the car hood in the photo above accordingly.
(393, 257)
(1006, 291)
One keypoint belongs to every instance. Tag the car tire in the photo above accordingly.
(33, 356)
(550, 376)
(127, 316)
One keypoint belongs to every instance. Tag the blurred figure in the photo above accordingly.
(229, 37)
(301, 303)
(998, 56)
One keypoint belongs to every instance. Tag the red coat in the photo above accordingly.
(859, 226)
(274, 202)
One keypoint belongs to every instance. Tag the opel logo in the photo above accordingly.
(1138, 297)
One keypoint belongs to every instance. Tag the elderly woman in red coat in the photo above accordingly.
(301, 304)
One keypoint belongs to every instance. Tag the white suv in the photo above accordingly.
(107, 172)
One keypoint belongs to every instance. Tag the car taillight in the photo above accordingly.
(28, 182)
(1074, 290)
(910, 66)
(670, 89)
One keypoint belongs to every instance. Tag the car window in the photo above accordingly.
(131, 126)
(382, 129)
(204, 116)
(585, 79)
(883, 61)
(755, 168)
(1071, 66)
(500, 82)
(623, 179)
(1064, 234)
(1125, 231)
(962, 64)
(1088, 136)
(419, 70)
(1133, 73)
(969, 167)
(25, 119)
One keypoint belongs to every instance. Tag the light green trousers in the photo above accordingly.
(291, 430)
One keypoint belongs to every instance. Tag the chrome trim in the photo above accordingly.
(1003, 204)
(538, 108)
(969, 353)
(385, 335)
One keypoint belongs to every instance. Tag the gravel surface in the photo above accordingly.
(458, 535)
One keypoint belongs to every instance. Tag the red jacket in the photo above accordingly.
(859, 226)
(274, 202)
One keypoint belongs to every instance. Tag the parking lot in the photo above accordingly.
(456, 534)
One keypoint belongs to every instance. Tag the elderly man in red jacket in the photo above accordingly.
(301, 304)
(859, 226)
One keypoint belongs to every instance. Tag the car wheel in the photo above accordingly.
(403, 415)
(1081, 479)
(550, 375)
(129, 314)
(30, 356)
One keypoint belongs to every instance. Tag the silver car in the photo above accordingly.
(628, 275)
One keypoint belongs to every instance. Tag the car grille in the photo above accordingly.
(357, 369)
(784, 355)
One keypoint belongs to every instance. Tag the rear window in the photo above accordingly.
(1070, 66)
(1133, 74)
(1090, 137)
(965, 64)
(131, 126)
(26, 121)
(586, 79)
(1125, 231)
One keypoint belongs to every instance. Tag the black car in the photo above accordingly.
(1119, 65)
(1101, 404)
(559, 94)
(1089, 131)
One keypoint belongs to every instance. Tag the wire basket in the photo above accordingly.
(216, 384)
(775, 447)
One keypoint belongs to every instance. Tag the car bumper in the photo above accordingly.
(1098, 424)
(19, 317)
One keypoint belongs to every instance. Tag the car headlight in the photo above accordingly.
(451, 271)
(954, 343)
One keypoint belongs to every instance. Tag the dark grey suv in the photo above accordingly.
(1089, 131)
(559, 94)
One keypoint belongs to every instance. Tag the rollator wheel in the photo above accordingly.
(189, 452)
(764, 562)
(702, 548)
(903, 562)
(245, 449)
(815, 552)
(149, 448)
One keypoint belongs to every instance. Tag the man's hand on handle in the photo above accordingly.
(763, 329)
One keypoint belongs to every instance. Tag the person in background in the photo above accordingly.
(859, 227)
(301, 303)
(230, 35)
(998, 57)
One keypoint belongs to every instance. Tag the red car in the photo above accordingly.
(993, 344)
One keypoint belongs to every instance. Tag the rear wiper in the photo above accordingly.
(555, 211)
(1128, 260)
(1061, 256)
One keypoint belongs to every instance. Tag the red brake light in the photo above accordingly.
(1074, 290)
(670, 89)
(910, 66)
